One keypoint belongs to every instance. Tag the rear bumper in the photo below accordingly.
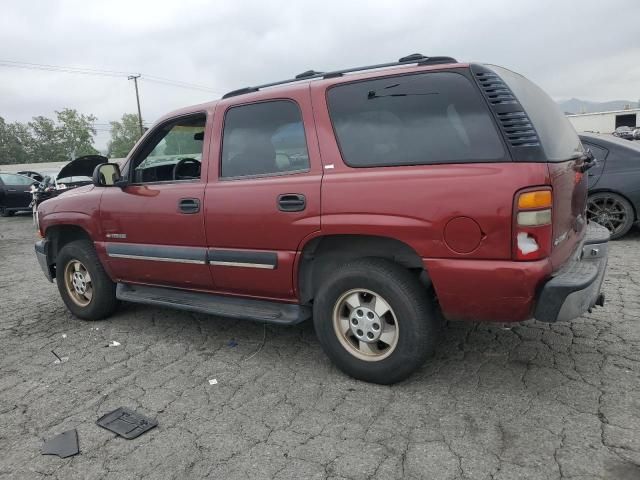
(42, 254)
(575, 289)
(508, 291)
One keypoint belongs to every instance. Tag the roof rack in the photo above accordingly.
(311, 74)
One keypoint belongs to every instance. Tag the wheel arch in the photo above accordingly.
(60, 235)
(321, 255)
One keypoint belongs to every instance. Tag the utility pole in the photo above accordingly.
(135, 82)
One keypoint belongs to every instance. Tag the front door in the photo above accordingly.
(263, 194)
(153, 229)
(17, 190)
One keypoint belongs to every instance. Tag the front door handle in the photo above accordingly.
(189, 205)
(291, 202)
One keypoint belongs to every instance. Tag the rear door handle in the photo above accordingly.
(189, 205)
(291, 202)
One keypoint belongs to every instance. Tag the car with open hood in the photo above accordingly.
(74, 174)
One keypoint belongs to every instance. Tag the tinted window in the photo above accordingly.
(413, 120)
(262, 139)
(173, 153)
(598, 152)
(557, 136)
(11, 179)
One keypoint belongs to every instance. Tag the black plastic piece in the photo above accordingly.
(240, 91)
(189, 205)
(308, 73)
(63, 445)
(516, 127)
(437, 60)
(596, 233)
(291, 202)
(253, 258)
(232, 307)
(413, 58)
(127, 423)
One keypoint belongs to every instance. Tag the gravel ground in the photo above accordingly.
(534, 401)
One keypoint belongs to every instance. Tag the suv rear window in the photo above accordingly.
(416, 119)
(557, 136)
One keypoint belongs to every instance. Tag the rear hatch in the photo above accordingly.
(538, 131)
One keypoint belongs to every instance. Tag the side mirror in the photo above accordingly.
(107, 175)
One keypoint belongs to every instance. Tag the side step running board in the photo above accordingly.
(233, 307)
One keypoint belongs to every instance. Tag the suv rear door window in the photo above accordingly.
(557, 136)
(413, 120)
(264, 138)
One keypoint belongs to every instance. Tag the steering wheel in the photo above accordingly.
(181, 164)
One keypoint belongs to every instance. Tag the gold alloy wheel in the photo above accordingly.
(365, 325)
(77, 281)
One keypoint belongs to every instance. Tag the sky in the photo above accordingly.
(586, 49)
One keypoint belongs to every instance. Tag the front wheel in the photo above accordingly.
(612, 211)
(84, 286)
(374, 319)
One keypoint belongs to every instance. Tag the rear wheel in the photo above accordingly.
(375, 321)
(84, 286)
(611, 211)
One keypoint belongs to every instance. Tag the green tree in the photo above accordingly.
(75, 133)
(45, 144)
(124, 135)
(14, 141)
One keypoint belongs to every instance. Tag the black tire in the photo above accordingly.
(612, 211)
(6, 213)
(411, 308)
(103, 300)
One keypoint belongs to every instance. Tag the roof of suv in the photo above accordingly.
(409, 64)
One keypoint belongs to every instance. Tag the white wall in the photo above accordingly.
(604, 122)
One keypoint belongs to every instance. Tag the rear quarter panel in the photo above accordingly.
(414, 204)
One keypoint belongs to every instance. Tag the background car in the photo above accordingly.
(614, 183)
(35, 175)
(74, 174)
(15, 193)
(624, 132)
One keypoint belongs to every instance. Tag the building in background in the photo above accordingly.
(605, 122)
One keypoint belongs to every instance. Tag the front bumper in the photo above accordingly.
(575, 289)
(42, 253)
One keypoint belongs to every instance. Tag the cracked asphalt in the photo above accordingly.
(535, 401)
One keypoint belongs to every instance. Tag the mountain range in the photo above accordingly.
(576, 105)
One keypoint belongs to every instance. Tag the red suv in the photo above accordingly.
(368, 198)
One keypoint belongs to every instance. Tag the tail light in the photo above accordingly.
(533, 213)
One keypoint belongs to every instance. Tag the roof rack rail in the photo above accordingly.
(311, 74)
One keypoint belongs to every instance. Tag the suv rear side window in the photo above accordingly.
(417, 119)
(263, 139)
(557, 136)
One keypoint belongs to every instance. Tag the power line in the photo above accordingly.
(102, 72)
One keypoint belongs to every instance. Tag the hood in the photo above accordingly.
(81, 166)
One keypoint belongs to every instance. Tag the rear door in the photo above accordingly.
(263, 194)
(17, 190)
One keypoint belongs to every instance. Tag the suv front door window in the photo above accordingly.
(173, 154)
